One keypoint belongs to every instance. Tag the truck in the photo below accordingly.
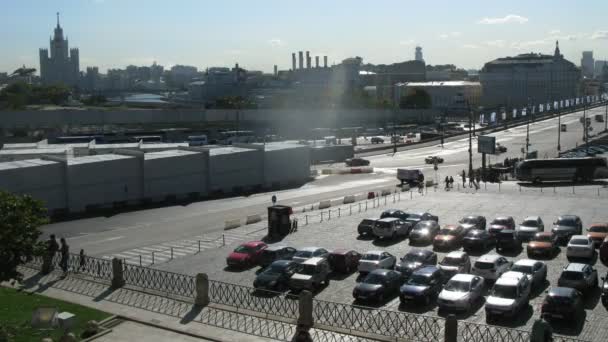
(599, 118)
(408, 176)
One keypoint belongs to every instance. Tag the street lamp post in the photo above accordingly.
(527, 127)
(585, 128)
(606, 117)
(470, 137)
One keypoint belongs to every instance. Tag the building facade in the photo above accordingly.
(536, 78)
(62, 66)
(587, 64)
(418, 55)
(444, 95)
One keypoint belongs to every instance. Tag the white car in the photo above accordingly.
(461, 292)
(491, 266)
(580, 246)
(510, 294)
(309, 252)
(535, 270)
(374, 260)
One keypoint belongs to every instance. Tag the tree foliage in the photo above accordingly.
(20, 219)
(20, 94)
(417, 98)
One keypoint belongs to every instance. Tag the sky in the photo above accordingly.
(259, 34)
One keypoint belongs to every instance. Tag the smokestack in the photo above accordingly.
(301, 59)
(276, 71)
(325, 61)
(293, 61)
(317, 62)
(307, 59)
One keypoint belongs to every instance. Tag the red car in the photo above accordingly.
(246, 255)
(344, 260)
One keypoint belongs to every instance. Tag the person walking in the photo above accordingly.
(421, 183)
(447, 183)
(451, 182)
(478, 178)
(51, 250)
(464, 178)
(82, 260)
(65, 255)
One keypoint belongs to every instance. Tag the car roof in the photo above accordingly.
(575, 267)
(370, 218)
(340, 251)
(275, 248)
(452, 226)
(253, 243)
(472, 216)
(390, 210)
(489, 257)
(313, 261)
(526, 262)
(570, 217)
(510, 278)
(561, 292)
(308, 249)
(544, 234)
(456, 254)
(503, 217)
(532, 218)
(463, 277)
(380, 271)
(374, 252)
(579, 237)
(282, 263)
(599, 224)
(427, 270)
(388, 219)
(419, 251)
(476, 232)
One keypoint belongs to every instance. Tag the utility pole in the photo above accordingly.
(586, 128)
(606, 116)
(527, 127)
(394, 138)
(470, 137)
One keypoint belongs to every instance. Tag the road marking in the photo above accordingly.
(102, 241)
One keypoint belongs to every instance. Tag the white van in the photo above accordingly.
(197, 140)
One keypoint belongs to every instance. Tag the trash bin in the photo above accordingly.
(279, 223)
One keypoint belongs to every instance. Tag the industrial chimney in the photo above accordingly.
(293, 61)
(276, 71)
(307, 59)
(301, 59)
(317, 62)
(325, 61)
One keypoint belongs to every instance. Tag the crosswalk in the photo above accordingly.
(166, 251)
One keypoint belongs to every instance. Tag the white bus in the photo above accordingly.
(197, 140)
(560, 169)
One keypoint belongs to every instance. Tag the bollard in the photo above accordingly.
(321, 217)
(171, 253)
(554, 189)
(399, 196)
(498, 186)
(118, 279)
(393, 198)
(541, 189)
(305, 306)
(140, 260)
(350, 207)
(384, 200)
(365, 205)
(152, 257)
(306, 217)
(329, 214)
(451, 329)
(519, 187)
(202, 290)
(598, 192)
(485, 186)
(199, 246)
(573, 189)
(339, 214)
(411, 196)
(359, 207)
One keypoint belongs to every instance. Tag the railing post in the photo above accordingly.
(140, 260)
(359, 207)
(152, 257)
(451, 329)
(202, 290)
(305, 318)
(321, 216)
(118, 278)
(223, 240)
(411, 196)
(384, 200)
(171, 253)
(339, 214)
(199, 246)
(350, 207)
(541, 331)
(365, 205)
(329, 215)
(306, 217)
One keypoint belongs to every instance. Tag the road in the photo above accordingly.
(205, 220)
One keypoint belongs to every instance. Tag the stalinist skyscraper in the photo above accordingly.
(60, 67)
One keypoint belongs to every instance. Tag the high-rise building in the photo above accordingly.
(599, 68)
(587, 64)
(60, 67)
(419, 54)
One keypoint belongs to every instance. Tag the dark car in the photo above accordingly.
(396, 213)
(449, 237)
(563, 303)
(378, 285)
(424, 231)
(605, 290)
(473, 222)
(507, 239)
(415, 259)
(500, 223)
(500, 148)
(542, 245)
(356, 162)
(433, 160)
(422, 286)
(366, 226)
(582, 277)
(274, 253)
(276, 276)
(477, 239)
(567, 225)
(377, 140)
(414, 218)
(343, 260)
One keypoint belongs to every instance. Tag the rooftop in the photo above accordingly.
(463, 277)
(97, 159)
(25, 163)
(575, 267)
(526, 262)
(441, 84)
(227, 150)
(168, 154)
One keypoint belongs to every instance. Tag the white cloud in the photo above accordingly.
(508, 19)
(554, 32)
(602, 34)
(470, 46)
(234, 52)
(275, 42)
(529, 44)
(496, 43)
(453, 34)
(407, 42)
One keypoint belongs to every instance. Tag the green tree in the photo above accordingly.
(20, 219)
(417, 98)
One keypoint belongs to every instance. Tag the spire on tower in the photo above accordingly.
(557, 52)
(58, 19)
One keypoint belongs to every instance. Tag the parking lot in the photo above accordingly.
(450, 207)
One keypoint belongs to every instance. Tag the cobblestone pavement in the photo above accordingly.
(340, 232)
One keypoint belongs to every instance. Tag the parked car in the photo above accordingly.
(391, 228)
(491, 266)
(535, 270)
(473, 222)
(567, 225)
(529, 227)
(500, 223)
(580, 246)
(605, 290)
(377, 140)
(500, 148)
(311, 274)
(597, 232)
(396, 213)
(276, 276)
(433, 160)
(604, 252)
(246, 254)
(578, 276)
(449, 236)
(542, 244)
(507, 239)
(510, 294)
(415, 259)
(414, 218)
(563, 303)
(356, 162)
(477, 239)
(378, 286)
(274, 253)
(366, 226)
(455, 262)
(424, 231)
(461, 292)
(309, 252)
(422, 286)
(343, 260)
(376, 259)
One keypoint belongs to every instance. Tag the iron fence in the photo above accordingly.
(473, 332)
(238, 296)
(377, 321)
(162, 281)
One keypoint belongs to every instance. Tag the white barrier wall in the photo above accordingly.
(234, 167)
(286, 163)
(103, 180)
(175, 173)
(41, 179)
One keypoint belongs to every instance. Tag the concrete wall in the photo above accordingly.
(335, 153)
(177, 173)
(286, 165)
(103, 180)
(242, 169)
(43, 180)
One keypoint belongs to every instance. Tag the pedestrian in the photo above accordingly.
(464, 178)
(478, 177)
(451, 182)
(447, 183)
(421, 183)
(471, 178)
(82, 258)
(274, 199)
(65, 255)
(51, 250)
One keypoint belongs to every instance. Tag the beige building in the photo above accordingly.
(445, 95)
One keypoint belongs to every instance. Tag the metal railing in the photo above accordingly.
(474, 332)
(161, 281)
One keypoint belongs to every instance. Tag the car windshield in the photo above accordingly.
(598, 229)
(503, 291)
(469, 220)
(580, 242)
(381, 224)
(501, 222)
(559, 300)
(569, 275)
(484, 265)
(308, 269)
(275, 269)
(542, 238)
(447, 231)
(243, 249)
(530, 223)
(372, 257)
(413, 257)
(565, 222)
(475, 233)
(375, 279)
(522, 269)
(449, 261)
(422, 225)
(418, 280)
(368, 222)
(413, 217)
(303, 254)
(457, 286)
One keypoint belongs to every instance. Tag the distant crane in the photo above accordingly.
(22, 72)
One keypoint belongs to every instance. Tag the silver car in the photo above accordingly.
(373, 260)
(567, 225)
(529, 227)
(461, 292)
(535, 270)
(510, 294)
(391, 228)
(580, 246)
(309, 252)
